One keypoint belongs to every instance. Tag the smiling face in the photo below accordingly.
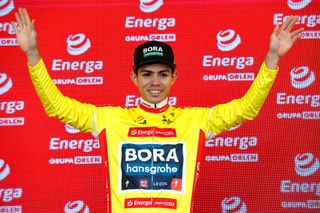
(154, 81)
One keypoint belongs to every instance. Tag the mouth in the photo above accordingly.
(155, 92)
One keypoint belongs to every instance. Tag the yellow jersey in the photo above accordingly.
(151, 152)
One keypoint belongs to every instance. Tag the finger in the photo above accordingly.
(295, 38)
(291, 23)
(23, 20)
(15, 28)
(26, 15)
(286, 23)
(18, 20)
(32, 25)
(276, 30)
(296, 32)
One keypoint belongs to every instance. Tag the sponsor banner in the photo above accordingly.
(76, 160)
(151, 132)
(150, 203)
(16, 121)
(152, 166)
(234, 158)
(8, 194)
(306, 166)
(77, 145)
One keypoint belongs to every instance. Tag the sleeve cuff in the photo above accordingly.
(35, 67)
(269, 70)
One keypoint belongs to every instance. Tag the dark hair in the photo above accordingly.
(136, 69)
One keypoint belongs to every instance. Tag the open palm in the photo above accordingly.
(282, 39)
(25, 31)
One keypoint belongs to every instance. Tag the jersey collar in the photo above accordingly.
(154, 108)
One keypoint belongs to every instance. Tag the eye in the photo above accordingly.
(164, 75)
(145, 74)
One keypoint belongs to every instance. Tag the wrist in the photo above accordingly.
(272, 60)
(33, 56)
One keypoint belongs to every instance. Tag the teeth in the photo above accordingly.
(154, 91)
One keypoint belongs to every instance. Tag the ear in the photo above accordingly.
(174, 76)
(134, 78)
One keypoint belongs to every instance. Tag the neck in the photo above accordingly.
(154, 108)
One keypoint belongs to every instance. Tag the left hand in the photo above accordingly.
(282, 39)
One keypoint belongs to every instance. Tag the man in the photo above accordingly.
(152, 152)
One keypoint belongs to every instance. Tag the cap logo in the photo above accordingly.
(152, 51)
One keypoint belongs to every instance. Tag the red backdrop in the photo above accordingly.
(270, 164)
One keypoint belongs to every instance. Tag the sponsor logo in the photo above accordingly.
(93, 159)
(80, 81)
(237, 62)
(309, 21)
(243, 143)
(307, 115)
(160, 24)
(86, 66)
(306, 165)
(234, 158)
(165, 37)
(167, 203)
(84, 145)
(6, 6)
(70, 129)
(285, 99)
(17, 121)
(249, 76)
(149, 6)
(151, 132)
(4, 170)
(152, 51)
(8, 194)
(10, 107)
(132, 101)
(77, 206)
(5, 83)
(233, 205)
(301, 77)
(157, 23)
(227, 40)
(11, 209)
(297, 5)
(78, 44)
(157, 166)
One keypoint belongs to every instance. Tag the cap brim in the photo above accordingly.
(154, 61)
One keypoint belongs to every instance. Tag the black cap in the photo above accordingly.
(153, 52)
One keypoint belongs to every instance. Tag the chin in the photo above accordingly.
(155, 100)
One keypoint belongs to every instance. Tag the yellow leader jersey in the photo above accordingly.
(151, 152)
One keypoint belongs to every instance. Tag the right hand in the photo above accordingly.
(25, 32)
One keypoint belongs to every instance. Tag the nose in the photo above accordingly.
(155, 80)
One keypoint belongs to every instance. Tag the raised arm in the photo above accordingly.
(281, 41)
(26, 36)
(67, 110)
(225, 116)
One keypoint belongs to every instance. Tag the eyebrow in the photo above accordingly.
(150, 71)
